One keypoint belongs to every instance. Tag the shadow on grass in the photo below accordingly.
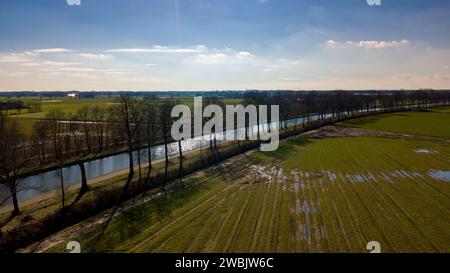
(287, 148)
(6, 221)
(132, 222)
(362, 121)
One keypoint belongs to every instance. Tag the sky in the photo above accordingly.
(146, 45)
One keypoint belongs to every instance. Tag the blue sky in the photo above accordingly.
(223, 44)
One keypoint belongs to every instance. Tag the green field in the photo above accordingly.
(433, 123)
(71, 106)
(68, 106)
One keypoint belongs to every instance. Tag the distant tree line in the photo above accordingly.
(19, 106)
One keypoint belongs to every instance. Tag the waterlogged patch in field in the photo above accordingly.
(329, 195)
(440, 175)
(425, 151)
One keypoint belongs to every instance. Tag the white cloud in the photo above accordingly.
(97, 57)
(382, 44)
(30, 64)
(222, 58)
(287, 62)
(52, 50)
(58, 63)
(368, 44)
(217, 58)
(117, 73)
(84, 76)
(157, 49)
(201, 47)
(151, 64)
(331, 43)
(79, 69)
(18, 74)
(227, 55)
(243, 55)
(291, 79)
(282, 63)
(15, 58)
(420, 77)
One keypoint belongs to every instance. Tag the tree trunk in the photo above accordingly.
(43, 153)
(13, 190)
(139, 164)
(181, 158)
(257, 123)
(131, 164)
(211, 143)
(63, 194)
(215, 143)
(166, 152)
(86, 134)
(150, 166)
(84, 185)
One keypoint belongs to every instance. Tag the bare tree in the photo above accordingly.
(78, 132)
(56, 125)
(13, 158)
(165, 124)
(99, 124)
(138, 115)
(124, 117)
(39, 138)
(150, 121)
(83, 114)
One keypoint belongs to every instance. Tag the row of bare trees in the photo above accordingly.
(344, 103)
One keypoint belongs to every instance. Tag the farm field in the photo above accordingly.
(315, 194)
(434, 123)
(68, 106)
(71, 106)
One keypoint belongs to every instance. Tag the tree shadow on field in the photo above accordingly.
(288, 148)
(131, 222)
(360, 122)
(6, 221)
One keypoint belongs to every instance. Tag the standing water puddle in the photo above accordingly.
(425, 151)
(440, 175)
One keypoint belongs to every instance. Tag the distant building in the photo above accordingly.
(73, 95)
